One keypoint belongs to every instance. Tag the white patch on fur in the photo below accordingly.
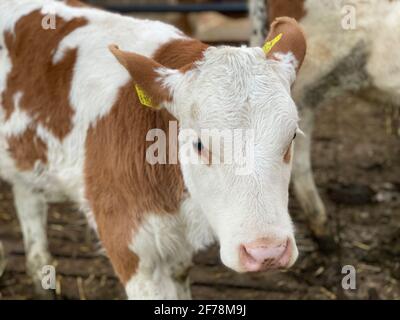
(32, 213)
(165, 245)
(289, 64)
(384, 63)
(19, 120)
(19, 9)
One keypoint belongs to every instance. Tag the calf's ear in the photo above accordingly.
(286, 42)
(146, 76)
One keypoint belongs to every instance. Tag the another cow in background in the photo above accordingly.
(343, 55)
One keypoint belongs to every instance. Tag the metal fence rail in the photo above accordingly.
(224, 7)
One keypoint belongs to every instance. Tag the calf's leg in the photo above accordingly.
(31, 209)
(159, 284)
(303, 180)
(151, 259)
(258, 18)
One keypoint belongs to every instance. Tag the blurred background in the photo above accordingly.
(356, 158)
(229, 25)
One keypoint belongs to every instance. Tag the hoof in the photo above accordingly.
(327, 244)
(325, 239)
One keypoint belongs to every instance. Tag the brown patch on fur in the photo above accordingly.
(26, 149)
(76, 3)
(121, 186)
(45, 86)
(143, 71)
(293, 39)
(176, 54)
(180, 53)
(289, 8)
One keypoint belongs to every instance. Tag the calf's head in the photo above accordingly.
(235, 108)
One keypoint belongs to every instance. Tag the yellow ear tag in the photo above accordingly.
(270, 44)
(144, 98)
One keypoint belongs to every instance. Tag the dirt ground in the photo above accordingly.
(357, 167)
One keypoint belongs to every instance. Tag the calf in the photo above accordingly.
(348, 51)
(82, 91)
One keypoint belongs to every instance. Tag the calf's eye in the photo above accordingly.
(198, 146)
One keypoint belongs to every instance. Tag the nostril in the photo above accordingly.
(249, 262)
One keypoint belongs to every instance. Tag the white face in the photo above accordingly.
(239, 88)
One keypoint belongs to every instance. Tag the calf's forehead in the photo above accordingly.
(238, 82)
(264, 103)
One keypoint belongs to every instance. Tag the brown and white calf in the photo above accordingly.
(72, 126)
(353, 45)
